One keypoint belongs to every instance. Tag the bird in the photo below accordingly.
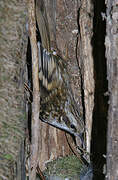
(57, 104)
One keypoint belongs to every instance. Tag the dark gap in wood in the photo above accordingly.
(30, 85)
(99, 127)
(78, 62)
(38, 36)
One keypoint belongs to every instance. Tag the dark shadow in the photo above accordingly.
(99, 127)
(29, 73)
(78, 59)
(30, 84)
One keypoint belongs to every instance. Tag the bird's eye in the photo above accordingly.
(73, 126)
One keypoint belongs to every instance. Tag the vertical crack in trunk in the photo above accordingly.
(99, 128)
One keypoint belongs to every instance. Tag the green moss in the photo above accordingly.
(69, 166)
(8, 157)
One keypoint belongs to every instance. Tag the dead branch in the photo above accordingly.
(36, 97)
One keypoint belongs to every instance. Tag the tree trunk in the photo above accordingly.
(63, 28)
(13, 41)
(111, 43)
(93, 64)
(87, 63)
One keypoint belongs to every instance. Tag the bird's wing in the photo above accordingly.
(49, 71)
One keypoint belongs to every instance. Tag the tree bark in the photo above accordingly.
(13, 42)
(86, 63)
(63, 40)
(35, 124)
(111, 43)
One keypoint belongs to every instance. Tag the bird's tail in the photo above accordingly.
(42, 22)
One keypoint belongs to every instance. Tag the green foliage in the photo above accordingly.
(8, 157)
(68, 166)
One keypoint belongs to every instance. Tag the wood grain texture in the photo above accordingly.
(35, 124)
(86, 63)
(63, 40)
(111, 43)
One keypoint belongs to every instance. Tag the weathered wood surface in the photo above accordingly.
(63, 34)
(86, 62)
(12, 59)
(35, 123)
(111, 43)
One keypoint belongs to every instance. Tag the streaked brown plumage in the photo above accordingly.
(42, 22)
(58, 106)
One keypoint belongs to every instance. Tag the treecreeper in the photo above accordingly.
(58, 106)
